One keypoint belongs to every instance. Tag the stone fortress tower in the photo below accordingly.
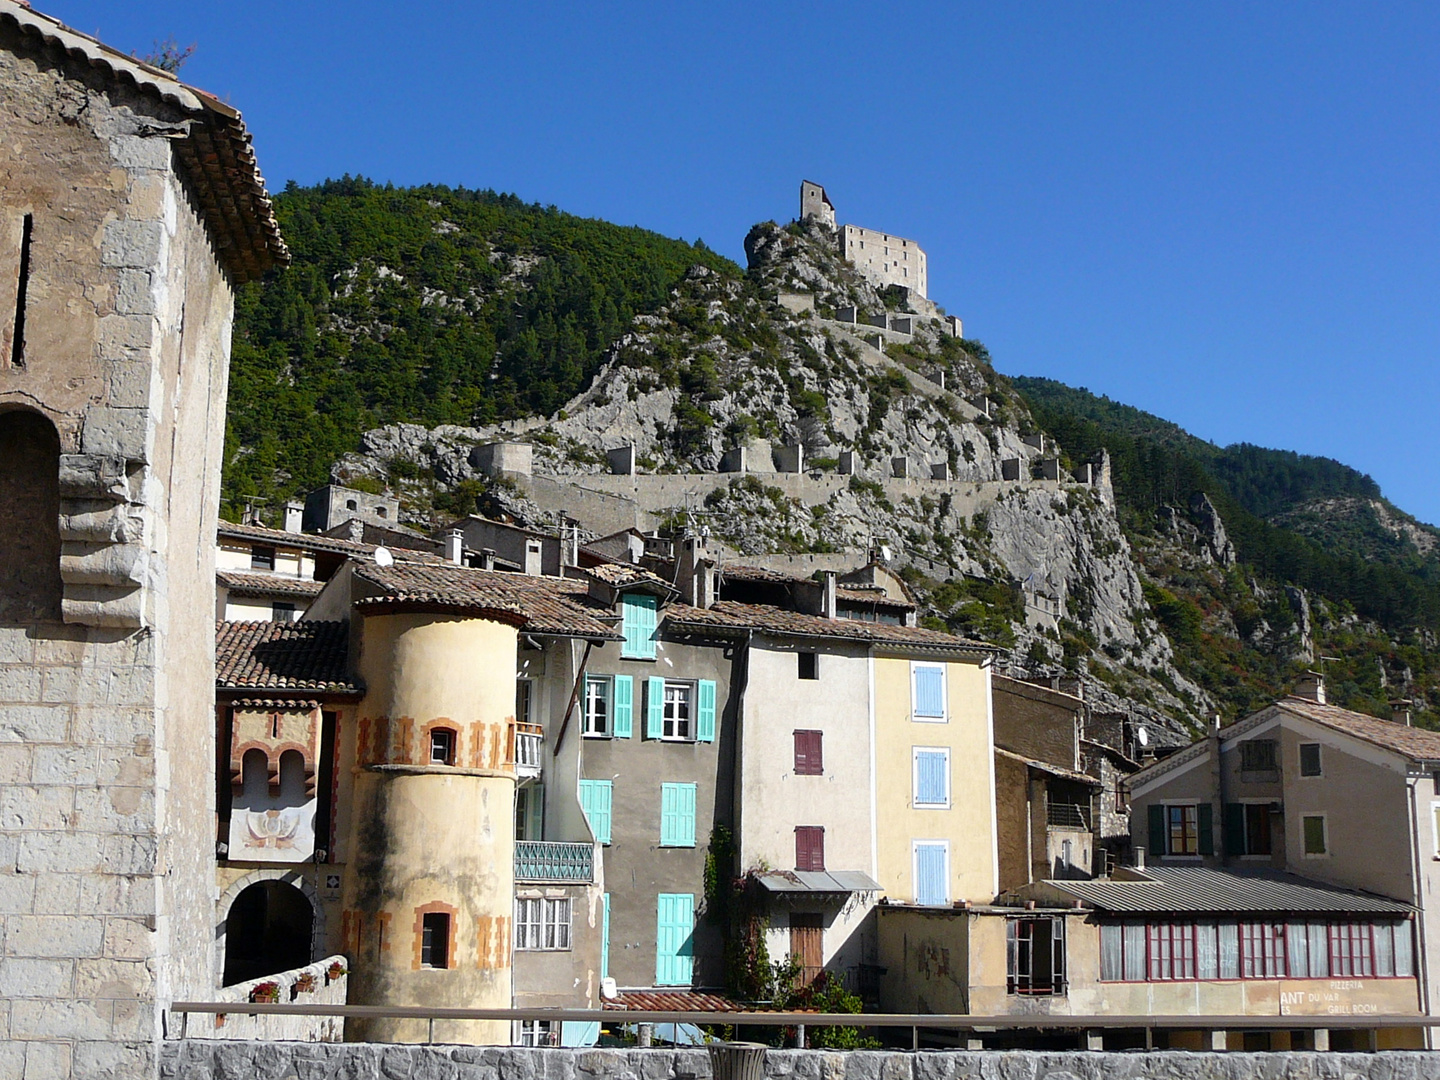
(882, 257)
(130, 209)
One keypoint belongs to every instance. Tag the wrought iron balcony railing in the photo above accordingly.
(553, 861)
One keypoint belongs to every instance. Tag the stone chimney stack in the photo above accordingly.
(827, 603)
(455, 547)
(1311, 687)
(695, 573)
(487, 558)
(294, 513)
(1400, 711)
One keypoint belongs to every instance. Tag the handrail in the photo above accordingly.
(956, 1021)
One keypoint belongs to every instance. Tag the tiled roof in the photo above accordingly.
(871, 594)
(672, 1001)
(237, 581)
(542, 605)
(311, 542)
(1046, 767)
(1200, 889)
(619, 575)
(270, 656)
(860, 594)
(1416, 743)
(757, 573)
(732, 615)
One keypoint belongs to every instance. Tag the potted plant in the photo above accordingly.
(335, 970)
(265, 992)
(305, 983)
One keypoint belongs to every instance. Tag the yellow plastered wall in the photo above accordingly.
(968, 824)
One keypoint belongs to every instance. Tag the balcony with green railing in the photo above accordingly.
(554, 862)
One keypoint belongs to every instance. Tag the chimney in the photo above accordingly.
(570, 544)
(294, 512)
(455, 547)
(1311, 687)
(694, 573)
(487, 558)
(1400, 711)
(1139, 857)
(827, 603)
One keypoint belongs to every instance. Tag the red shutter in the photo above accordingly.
(809, 847)
(808, 755)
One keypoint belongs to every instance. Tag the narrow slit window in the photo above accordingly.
(435, 940)
(22, 286)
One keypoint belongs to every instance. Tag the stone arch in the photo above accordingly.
(289, 876)
(30, 585)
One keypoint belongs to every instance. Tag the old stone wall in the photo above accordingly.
(193, 1060)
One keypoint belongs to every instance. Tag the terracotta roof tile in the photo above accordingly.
(543, 605)
(732, 615)
(1413, 742)
(864, 594)
(311, 542)
(621, 574)
(237, 581)
(673, 1001)
(304, 656)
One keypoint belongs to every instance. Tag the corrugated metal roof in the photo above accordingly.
(817, 881)
(1201, 889)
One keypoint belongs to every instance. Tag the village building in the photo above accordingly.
(884, 259)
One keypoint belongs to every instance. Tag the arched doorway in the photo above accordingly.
(30, 587)
(269, 929)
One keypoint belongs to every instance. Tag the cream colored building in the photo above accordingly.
(885, 259)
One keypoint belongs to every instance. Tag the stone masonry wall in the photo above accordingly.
(361, 1061)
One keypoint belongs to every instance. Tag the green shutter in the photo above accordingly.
(623, 705)
(596, 797)
(1204, 817)
(638, 617)
(705, 722)
(605, 936)
(1157, 829)
(674, 949)
(654, 707)
(1234, 829)
(677, 815)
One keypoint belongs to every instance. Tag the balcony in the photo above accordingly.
(1067, 816)
(529, 750)
(553, 862)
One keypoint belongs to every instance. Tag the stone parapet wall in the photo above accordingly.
(254, 1027)
(190, 1060)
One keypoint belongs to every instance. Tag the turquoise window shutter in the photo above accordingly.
(677, 815)
(705, 712)
(638, 618)
(674, 949)
(596, 799)
(623, 704)
(654, 707)
(605, 936)
(930, 691)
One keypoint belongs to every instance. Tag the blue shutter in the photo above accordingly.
(674, 949)
(677, 815)
(929, 691)
(605, 936)
(595, 799)
(931, 886)
(705, 714)
(638, 617)
(930, 777)
(654, 707)
(622, 705)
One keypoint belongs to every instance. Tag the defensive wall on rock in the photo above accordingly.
(195, 1060)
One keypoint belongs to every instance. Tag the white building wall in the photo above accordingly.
(885, 259)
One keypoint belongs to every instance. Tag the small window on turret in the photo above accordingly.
(442, 746)
(435, 940)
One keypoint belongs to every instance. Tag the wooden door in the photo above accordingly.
(807, 945)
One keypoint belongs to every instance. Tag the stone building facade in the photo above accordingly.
(881, 257)
(130, 208)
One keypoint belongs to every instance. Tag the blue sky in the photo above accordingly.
(1226, 214)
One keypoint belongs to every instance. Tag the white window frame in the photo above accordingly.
(915, 753)
(1191, 804)
(543, 924)
(915, 846)
(1324, 832)
(537, 1033)
(666, 722)
(1299, 762)
(528, 697)
(944, 717)
(586, 726)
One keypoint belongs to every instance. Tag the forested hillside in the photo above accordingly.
(430, 304)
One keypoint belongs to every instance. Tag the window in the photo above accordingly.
(442, 746)
(809, 847)
(1035, 951)
(597, 707)
(931, 777)
(1313, 829)
(1247, 828)
(530, 812)
(637, 617)
(674, 945)
(1181, 829)
(1310, 759)
(680, 711)
(435, 940)
(677, 711)
(350, 504)
(596, 800)
(928, 687)
(932, 873)
(539, 1033)
(1258, 755)
(809, 753)
(809, 663)
(524, 700)
(282, 612)
(542, 924)
(262, 558)
(677, 815)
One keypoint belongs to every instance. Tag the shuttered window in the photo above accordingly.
(809, 756)
(809, 847)
(623, 705)
(932, 874)
(929, 691)
(705, 710)
(654, 707)
(595, 800)
(637, 611)
(677, 815)
(674, 948)
(932, 777)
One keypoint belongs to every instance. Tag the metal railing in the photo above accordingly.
(529, 749)
(1067, 816)
(554, 861)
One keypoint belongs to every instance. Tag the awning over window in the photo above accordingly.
(817, 881)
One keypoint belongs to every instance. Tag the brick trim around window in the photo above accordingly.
(435, 907)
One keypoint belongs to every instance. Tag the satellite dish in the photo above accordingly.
(885, 555)
(383, 557)
(608, 989)
(1143, 736)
